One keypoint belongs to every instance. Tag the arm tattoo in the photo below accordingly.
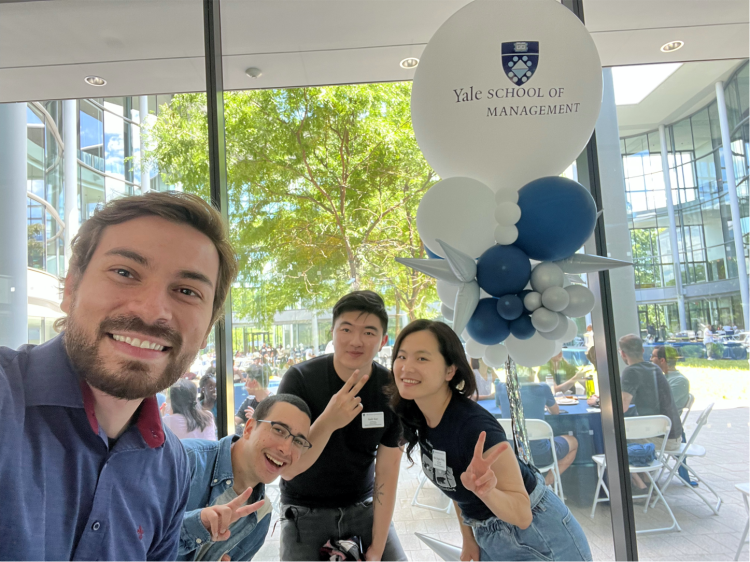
(378, 493)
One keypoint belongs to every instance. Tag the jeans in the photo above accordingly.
(554, 534)
(304, 530)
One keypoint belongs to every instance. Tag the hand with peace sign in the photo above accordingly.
(345, 405)
(479, 476)
(217, 518)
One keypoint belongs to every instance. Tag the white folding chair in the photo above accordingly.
(448, 508)
(745, 489)
(641, 427)
(674, 459)
(273, 494)
(687, 408)
(540, 429)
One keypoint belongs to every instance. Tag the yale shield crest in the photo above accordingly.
(520, 60)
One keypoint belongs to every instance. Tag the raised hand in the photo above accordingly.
(344, 406)
(479, 476)
(217, 518)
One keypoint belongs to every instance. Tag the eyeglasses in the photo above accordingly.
(283, 432)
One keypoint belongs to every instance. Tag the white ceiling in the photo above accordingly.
(156, 46)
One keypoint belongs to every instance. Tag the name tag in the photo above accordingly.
(373, 419)
(439, 461)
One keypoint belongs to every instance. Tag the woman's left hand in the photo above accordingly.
(479, 476)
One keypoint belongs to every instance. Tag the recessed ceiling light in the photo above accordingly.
(672, 46)
(254, 72)
(95, 81)
(409, 63)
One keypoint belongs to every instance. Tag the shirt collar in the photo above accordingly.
(51, 381)
(223, 467)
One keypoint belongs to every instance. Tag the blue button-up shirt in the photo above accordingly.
(210, 476)
(66, 494)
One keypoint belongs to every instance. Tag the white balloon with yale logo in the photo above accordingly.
(506, 92)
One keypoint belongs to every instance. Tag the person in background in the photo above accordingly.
(564, 375)
(708, 340)
(88, 470)
(207, 387)
(588, 337)
(346, 484)
(227, 517)
(505, 510)
(257, 391)
(485, 379)
(188, 419)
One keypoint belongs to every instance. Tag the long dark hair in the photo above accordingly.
(463, 382)
(184, 398)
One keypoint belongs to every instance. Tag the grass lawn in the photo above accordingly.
(714, 381)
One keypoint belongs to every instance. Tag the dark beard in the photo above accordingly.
(132, 380)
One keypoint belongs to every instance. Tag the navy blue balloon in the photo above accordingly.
(431, 254)
(485, 325)
(509, 307)
(522, 328)
(522, 295)
(557, 216)
(503, 270)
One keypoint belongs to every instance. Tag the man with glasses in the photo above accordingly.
(227, 517)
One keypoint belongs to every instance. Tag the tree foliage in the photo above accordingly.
(323, 186)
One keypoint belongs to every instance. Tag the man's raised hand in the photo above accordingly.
(345, 405)
(217, 518)
(479, 476)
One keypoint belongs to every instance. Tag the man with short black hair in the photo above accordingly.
(88, 470)
(346, 485)
(227, 516)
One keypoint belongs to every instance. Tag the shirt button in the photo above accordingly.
(198, 541)
(215, 481)
(95, 526)
(229, 482)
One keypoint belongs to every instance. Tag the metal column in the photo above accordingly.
(672, 227)
(726, 146)
(218, 178)
(70, 167)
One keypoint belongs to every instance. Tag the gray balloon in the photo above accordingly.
(544, 320)
(582, 301)
(546, 275)
(532, 301)
(559, 332)
(555, 299)
(447, 312)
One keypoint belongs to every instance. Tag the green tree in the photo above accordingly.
(323, 186)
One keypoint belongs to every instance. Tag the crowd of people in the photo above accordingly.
(96, 449)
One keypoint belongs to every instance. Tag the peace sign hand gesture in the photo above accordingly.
(479, 476)
(217, 518)
(345, 404)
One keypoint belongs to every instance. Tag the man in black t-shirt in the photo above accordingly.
(346, 483)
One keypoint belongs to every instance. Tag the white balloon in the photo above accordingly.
(558, 347)
(571, 333)
(469, 116)
(544, 320)
(546, 275)
(459, 211)
(531, 301)
(559, 331)
(555, 299)
(474, 349)
(447, 312)
(507, 214)
(582, 301)
(504, 195)
(447, 293)
(532, 352)
(506, 235)
(495, 356)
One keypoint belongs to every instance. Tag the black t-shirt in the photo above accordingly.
(651, 393)
(249, 402)
(344, 473)
(456, 435)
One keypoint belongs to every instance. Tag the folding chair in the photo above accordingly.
(273, 494)
(540, 429)
(687, 450)
(448, 508)
(642, 427)
(687, 408)
(745, 489)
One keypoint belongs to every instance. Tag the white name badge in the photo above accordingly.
(439, 461)
(373, 419)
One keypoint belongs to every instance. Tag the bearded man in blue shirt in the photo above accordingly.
(88, 471)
